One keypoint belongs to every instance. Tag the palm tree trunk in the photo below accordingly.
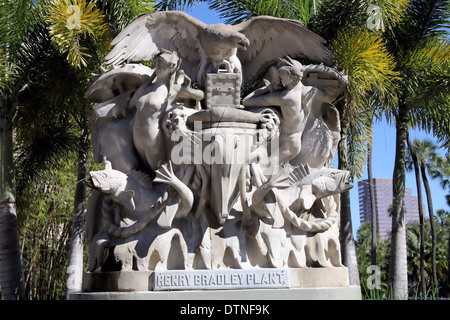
(75, 267)
(421, 225)
(448, 264)
(348, 250)
(398, 270)
(432, 225)
(372, 207)
(11, 276)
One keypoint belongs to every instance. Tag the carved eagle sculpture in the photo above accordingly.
(248, 47)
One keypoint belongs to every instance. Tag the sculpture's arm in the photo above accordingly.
(263, 97)
(140, 92)
(263, 90)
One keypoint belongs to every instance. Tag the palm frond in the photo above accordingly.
(14, 17)
(335, 15)
(358, 141)
(236, 11)
(429, 18)
(424, 19)
(391, 11)
(304, 11)
(364, 58)
(121, 13)
(54, 142)
(166, 5)
(423, 55)
(71, 22)
(442, 171)
(426, 87)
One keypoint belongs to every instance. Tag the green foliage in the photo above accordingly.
(42, 141)
(47, 74)
(76, 25)
(119, 14)
(166, 5)
(442, 170)
(421, 49)
(14, 16)
(427, 155)
(363, 57)
(45, 212)
(236, 11)
(363, 255)
(413, 245)
(337, 15)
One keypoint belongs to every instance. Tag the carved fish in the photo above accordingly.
(151, 198)
(113, 183)
(320, 183)
(314, 185)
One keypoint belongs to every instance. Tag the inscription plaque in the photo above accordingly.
(220, 279)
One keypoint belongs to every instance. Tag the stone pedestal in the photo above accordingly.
(324, 293)
(230, 284)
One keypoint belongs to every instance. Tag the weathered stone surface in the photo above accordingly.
(230, 191)
(222, 279)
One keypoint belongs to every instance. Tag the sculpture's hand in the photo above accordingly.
(269, 120)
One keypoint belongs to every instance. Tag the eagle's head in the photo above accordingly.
(225, 35)
(241, 41)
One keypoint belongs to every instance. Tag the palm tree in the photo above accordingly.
(421, 53)
(36, 82)
(362, 55)
(32, 94)
(426, 155)
(13, 19)
(80, 39)
(80, 30)
(412, 161)
(413, 232)
(443, 173)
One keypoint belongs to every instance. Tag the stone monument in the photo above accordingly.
(215, 173)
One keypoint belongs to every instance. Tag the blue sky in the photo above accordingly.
(383, 149)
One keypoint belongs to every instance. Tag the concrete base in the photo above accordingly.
(126, 281)
(324, 293)
(304, 284)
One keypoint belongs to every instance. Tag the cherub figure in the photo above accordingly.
(288, 95)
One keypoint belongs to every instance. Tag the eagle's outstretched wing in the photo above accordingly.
(172, 31)
(271, 38)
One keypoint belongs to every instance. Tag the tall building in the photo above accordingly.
(383, 200)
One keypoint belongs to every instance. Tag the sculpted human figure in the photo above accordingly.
(322, 130)
(151, 101)
(214, 185)
(288, 95)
